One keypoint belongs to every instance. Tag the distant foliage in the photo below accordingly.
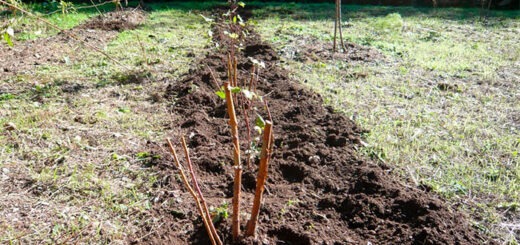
(66, 7)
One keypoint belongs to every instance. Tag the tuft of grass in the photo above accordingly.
(440, 104)
(391, 23)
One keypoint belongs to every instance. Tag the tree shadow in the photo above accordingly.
(325, 11)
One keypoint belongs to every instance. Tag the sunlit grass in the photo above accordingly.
(463, 142)
(79, 146)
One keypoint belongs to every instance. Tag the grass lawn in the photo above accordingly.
(74, 138)
(442, 105)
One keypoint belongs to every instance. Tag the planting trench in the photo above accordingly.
(319, 190)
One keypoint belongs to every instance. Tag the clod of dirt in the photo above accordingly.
(448, 87)
(10, 126)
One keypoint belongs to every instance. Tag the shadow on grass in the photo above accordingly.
(325, 11)
(303, 11)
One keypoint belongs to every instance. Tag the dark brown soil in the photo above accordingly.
(24, 57)
(319, 191)
(116, 21)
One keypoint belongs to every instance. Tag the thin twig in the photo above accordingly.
(251, 79)
(213, 76)
(85, 7)
(142, 49)
(245, 112)
(95, 6)
(235, 72)
(268, 111)
(201, 197)
(229, 68)
(184, 178)
(340, 28)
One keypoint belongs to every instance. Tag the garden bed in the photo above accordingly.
(319, 191)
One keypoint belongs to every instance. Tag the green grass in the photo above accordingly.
(78, 167)
(30, 27)
(462, 141)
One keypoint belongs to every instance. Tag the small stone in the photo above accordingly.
(314, 159)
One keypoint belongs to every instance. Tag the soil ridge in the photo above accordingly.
(319, 189)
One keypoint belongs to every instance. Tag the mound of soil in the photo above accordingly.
(116, 21)
(319, 190)
(305, 49)
(62, 48)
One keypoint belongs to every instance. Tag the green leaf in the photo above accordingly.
(240, 20)
(221, 94)
(234, 19)
(7, 38)
(233, 35)
(115, 156)
(6, 96)
(260, 122)
(235, 90)
(241, 4)
(124, 110)
(142, 155)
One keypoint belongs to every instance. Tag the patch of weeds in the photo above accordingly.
(6, 97)
(390, 23)
(148, 159)
(124, 110)
(220, 213)
(137, 77)
(44, 90)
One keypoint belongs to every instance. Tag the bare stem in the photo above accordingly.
(335, 28)
(245, 112)
(213, 77)
(340, 28)
(235, 71)
(236, 158)
(206, 219)
(142, 49)
(261, 178)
